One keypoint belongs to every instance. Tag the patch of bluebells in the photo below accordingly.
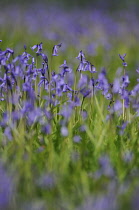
(32, 92)
(23, 85)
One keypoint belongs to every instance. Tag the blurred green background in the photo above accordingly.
(108, 4)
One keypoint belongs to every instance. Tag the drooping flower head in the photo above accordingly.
(55, 49)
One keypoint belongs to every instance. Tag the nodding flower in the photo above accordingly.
(39, 48)
(55, 49)
(81, 56)
(90, 67)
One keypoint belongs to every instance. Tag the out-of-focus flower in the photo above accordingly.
(47, 181)
(122, 127)
(122, 57)
(64, 131)
(6, 188)
(77, 139)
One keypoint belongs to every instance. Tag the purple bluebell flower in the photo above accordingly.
(5, 119)
(122, 57)
(55, 49)
(66, 88)
(75, 102)
(89, 67)
(83, 81)
(47, 181)
(33, 60)
(108, 96)
(27, 86)
(84, 114)
(102, 82)
(8, 50)
(116, 108)
(77, 139)
(27, 107)
(44, 82)
(39, 48)
(117, 105)
(65, 68)
(137, 70)
(128, 156)
(34, 47)
(116, 85)
(82, 128)
(81, 66)
(106, 168)
(64, 131)
(8, 133)
(46, 129)
(66, 111)
(81, 56)
(44, 57)
(34, 115)
(125, 81)
(6, 188)
(124, 64)
(122, 127)
(25, 47)
(135, 90)
(85, 92)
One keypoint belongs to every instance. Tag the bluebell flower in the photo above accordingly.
(135, 90)
(46, 129)
(44, 57)
(125, 81)
(83, 81)
(65, 68)
(77, 139)
(66, 88)
(122, 57)
(122, 127)
(6, 189)
(8, 50)
(39, 48)
(7, 133)
(47, 181)
(89, 67)
(66, 111)
(85, 92)
(81, 66)
(81, 56)
(34, 47)
(137, 70)
(116, 85)
(55, 49)
(64, 131)
(102, 82)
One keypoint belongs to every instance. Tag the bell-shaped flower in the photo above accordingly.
(55, 49)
